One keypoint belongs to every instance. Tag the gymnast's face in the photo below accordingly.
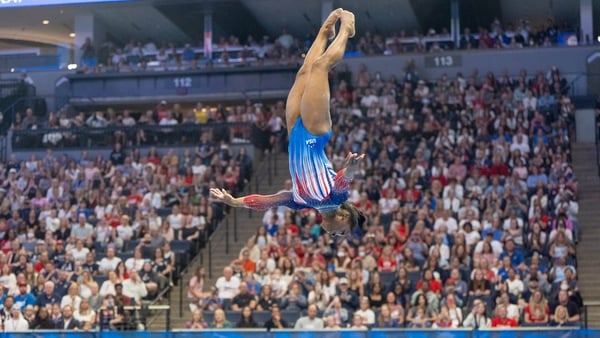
(337, 224)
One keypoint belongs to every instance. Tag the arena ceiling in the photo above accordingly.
(182, 20)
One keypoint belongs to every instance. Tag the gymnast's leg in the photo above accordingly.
(294, 99)
(315, 99)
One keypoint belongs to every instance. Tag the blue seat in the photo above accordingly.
(413, 277)
(129, 246)
(148, 252)
(124, 256)
(163, 212)
(180, 246)
(387, 278)
(100, 279)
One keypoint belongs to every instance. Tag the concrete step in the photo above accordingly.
(585, 167)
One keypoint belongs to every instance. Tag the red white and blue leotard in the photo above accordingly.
(315, 183)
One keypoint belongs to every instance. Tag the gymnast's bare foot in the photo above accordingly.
(348, 22)
(329, 25)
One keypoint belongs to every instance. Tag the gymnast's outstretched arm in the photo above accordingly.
(256, 202)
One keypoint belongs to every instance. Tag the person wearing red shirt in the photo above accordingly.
(248, 265)
(364, 204)
(387, 261)
(501, 319)
(537, 311)
(435, 285)
(498, 167)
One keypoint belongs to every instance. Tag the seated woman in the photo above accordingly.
(220, 322)
(197, 322)
(478, 318)
(246, 319)
(385, 320)
(561, 317)
(421, 315)
(480, 287)
(537, 310)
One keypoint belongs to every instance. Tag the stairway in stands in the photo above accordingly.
(588, 250)
(247, 222)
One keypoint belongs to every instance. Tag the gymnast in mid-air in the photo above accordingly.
(315, 183)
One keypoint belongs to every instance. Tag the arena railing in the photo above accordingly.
(264, 171)
(155, 135)
(333, 333)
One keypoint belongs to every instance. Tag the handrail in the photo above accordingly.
(157, 135)
(144, 127)
(586, 305)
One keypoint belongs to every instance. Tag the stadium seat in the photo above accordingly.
(388, 278)
(180, 246)
(100, 279)
(129, 246)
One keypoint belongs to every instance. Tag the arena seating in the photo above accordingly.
(233, 52)
(118, 229)
(470, 201)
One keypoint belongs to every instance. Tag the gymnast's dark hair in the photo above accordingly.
(357, 219)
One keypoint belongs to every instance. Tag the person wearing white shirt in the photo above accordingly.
(15, 322)
(110, 262)
(457, 189)
(468, 208)
(136, 262)
(71, 298)
(520, 144)
(134, 287)
(103, 232)
(365, 312)
(175, 218)
(388, 205)
(168, 120)
(496, 245)
(227, 285)
(269, 215)
(79, 252)
(154, 197)
(448, 221)
(310, 321)
(108, 286)
(451, 202)
(443, 249)
(515, 285)
(124, 230)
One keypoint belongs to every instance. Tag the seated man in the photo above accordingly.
(68, 322)
(276, 322)
(243, 298)
(134, 287)
(310, 321)
(227, 286)
(573, 313)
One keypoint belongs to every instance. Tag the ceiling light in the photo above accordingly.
(72, 35)
(45, 22)
(72, 66)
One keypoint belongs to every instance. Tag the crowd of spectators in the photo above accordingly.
(289, 50)
(471, 215)
(85, 240)
(162, 125)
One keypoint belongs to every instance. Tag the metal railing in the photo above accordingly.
(139, 135)
(586, 307)
(263, 175)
